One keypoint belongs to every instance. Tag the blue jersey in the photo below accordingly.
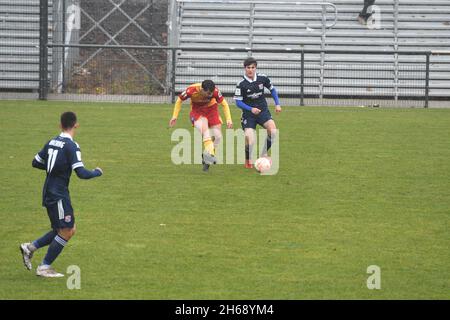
(251, 91)
(60, 156)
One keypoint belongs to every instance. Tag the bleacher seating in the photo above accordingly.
(405, 25)
(19, 44)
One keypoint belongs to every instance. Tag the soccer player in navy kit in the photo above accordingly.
(249, 97)
(58, 158)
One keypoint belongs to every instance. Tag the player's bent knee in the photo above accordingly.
(67, 233)
(270, 125)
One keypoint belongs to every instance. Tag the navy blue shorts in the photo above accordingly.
(249, 120)
(60, 214)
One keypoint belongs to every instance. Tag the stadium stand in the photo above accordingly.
(261, 24)
(19, 44)
(404, 25)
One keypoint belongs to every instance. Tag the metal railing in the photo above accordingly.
(296, 78)
(252, 6)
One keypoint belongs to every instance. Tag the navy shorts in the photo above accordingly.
(60, 214)
(249, 120)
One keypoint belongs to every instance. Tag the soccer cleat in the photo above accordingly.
(26, 255)
(47, 272)
(209, 158)
(248, 164)
(205, 166)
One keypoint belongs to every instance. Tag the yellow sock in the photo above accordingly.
(209, 146)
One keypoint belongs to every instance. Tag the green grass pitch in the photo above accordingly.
(356, 187)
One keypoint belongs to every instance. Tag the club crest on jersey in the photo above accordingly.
(261, 86)
(67, 219)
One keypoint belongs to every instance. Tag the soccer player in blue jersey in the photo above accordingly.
(58, 158)
(249, 97)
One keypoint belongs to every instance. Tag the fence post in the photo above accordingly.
(427, 80)
(172, 76)
(302, 79)
(43, 49)
(63, 80)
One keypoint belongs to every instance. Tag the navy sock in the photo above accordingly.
(54, 250)
(267, 145)
(45, 240)
(247, 152)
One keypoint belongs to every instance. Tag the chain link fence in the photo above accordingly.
(299, 79)
(99, 71)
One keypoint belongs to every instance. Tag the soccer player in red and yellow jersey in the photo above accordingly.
(204, 115)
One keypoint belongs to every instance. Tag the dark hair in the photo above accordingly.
(249, 61)
(68, 120)
(208, 85)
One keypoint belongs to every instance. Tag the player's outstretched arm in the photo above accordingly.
(226, 111)
(275, 97)
(176, 111)
(82, 173)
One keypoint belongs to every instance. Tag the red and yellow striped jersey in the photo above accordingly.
(198, 97)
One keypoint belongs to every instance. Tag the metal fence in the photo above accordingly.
(102, 70)
(116, 50)
(109, 22)
(297, 76)
(28, 64)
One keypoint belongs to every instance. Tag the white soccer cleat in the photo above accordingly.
(26, 255)
(47, 272)
(209, 158)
